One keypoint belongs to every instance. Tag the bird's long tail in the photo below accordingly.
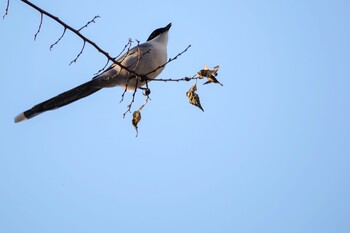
(60, 100)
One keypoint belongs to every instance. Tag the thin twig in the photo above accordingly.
(91, 21)
(176, 80)
(132, 101)
(81, 51)
(102, 69)
(146, 102)
(126, 88)
(127, 45)
(132, 76)
(170, 60)
(41, 23)
(147, 97)
(64, 31)
(7, 9)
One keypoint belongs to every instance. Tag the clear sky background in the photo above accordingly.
(271, 152)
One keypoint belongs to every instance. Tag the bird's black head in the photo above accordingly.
(158, 31)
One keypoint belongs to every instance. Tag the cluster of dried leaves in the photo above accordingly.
(193, 97)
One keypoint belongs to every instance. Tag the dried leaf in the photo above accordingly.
(193, 88)
(136, 117)
(212, 79)
(209, 74)
(193, 97)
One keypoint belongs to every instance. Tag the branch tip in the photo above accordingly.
(64, 31)
(89, 22)
(40, 24)
(81, 51)
(6, 10)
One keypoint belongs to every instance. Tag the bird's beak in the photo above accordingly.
(167, 27)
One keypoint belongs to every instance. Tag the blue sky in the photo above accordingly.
(269, 154)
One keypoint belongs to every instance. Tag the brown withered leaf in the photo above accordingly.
(193, 97)
(136, 117)
(209, 74)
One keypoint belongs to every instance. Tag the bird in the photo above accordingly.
(147, 60)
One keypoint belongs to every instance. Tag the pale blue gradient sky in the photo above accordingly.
(269, 154)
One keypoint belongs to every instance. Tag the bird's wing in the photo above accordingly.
(130, 59)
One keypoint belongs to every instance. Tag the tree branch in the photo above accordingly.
(176, 80)
(7, 9)
(76, 32)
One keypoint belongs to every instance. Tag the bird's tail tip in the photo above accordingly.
(20, 117)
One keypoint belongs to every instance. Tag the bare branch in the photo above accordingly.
(91, 21)
(64, 31)
(76, 58)
(176, 80)
(170, 60)
(76, 32)
(102, 69)
(7, 9)
(41, 23)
